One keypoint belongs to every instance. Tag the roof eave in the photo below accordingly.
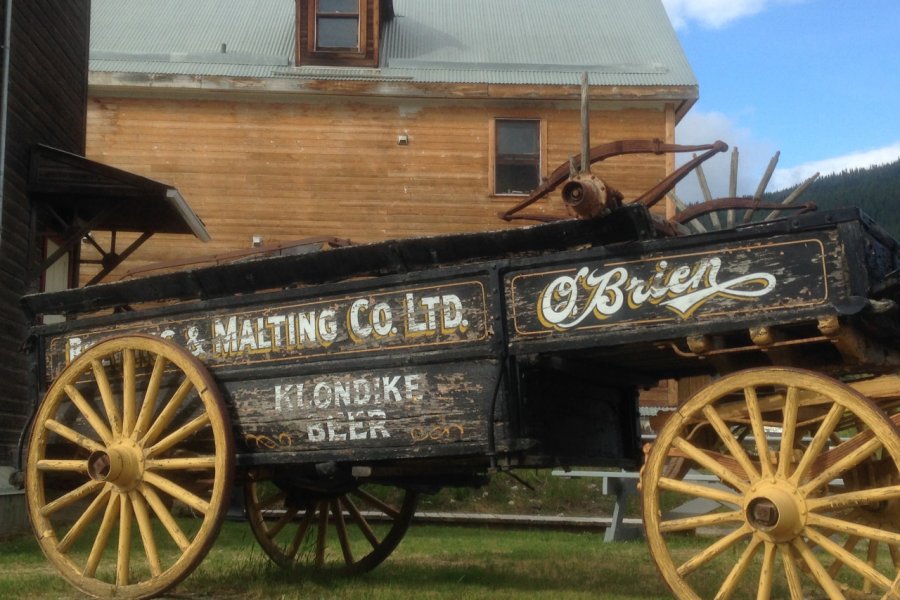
(150, 84)
(683, 107)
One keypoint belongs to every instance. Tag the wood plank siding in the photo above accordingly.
(46, 104)
(330, 165)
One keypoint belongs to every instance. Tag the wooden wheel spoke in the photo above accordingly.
(194, 463)
(341, 528)
(86, 518)
(737, 572)
(841, 526)
(129, 399)
(103, 534)
(848, 558)
(818, 442)
(300, 535)
(123, 557)
(168, 412)
(713, 551)
(373, 501)
(699, 491)
(65, 466)
(360, 521)
(759, 431)
(145, 527)
(73, 436)
(788, 431)
(321, 533)
(827, 584)
(177, 492)
(855, 498)
(165, 517)
(179, 435)
(689, 523)
(727, 437)
(766, 573)
(895, 554)
(709, 463)
(791, 573)
(148, 406)
(849, 546)
(106, 395)
(843, 464)
(844, 448)
(872, 562)
(82, 491)
(279, 525)
(89, 414)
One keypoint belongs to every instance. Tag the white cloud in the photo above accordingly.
(784, 178)
(753, 155)
(714, 13)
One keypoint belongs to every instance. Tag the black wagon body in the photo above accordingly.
(431, 362)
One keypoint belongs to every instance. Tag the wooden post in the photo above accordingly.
(732, 186)
(585, 127)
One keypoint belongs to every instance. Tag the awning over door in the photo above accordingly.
(83, 195)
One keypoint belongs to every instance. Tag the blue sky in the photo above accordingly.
(818, 80)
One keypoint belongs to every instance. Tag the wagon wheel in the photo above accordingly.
(129, 468)
(349, 531)
(790, 526)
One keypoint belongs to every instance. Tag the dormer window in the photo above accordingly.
(337, 24)
(340, 32)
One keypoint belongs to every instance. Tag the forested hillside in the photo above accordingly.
(875, 190)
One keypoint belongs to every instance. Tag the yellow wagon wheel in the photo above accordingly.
(349, 531)
(129, 469)
(791, 495)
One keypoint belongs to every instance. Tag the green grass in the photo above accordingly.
(431, 563)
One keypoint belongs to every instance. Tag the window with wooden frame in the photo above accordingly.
(516, 156)
(337, 26)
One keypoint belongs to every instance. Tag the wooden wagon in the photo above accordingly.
(336, 386)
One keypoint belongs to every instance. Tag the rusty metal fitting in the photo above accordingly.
(585, 197)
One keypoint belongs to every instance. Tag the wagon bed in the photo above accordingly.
(429, 362)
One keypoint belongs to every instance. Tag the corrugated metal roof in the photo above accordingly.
(619, 42)
(189, 30)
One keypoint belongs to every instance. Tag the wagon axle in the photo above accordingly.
(776, 511)
(121, 464)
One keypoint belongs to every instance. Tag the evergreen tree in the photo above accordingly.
(875, 190)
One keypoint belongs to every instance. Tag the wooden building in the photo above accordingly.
(373, 119)
(52, 197)
(44, 95)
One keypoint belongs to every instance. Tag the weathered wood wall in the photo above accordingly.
(47, 103)
(333, 166)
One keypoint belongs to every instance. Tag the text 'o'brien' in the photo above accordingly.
(569, 300)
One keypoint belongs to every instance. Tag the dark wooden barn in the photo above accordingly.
(44, 95)
(53, 200)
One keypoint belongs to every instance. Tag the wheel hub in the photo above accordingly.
(121, 464)
(776, 510)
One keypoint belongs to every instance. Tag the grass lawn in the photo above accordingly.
(432, 563)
